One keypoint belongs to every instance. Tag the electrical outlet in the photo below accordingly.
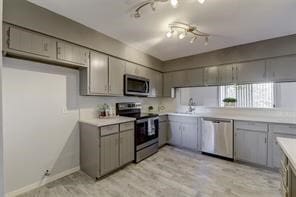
(47, 173)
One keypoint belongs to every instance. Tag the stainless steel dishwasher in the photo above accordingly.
(217, 137)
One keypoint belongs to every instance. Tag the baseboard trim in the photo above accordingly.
(42, 182)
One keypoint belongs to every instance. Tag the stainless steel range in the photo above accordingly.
(146, 129)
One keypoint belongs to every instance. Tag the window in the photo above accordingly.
(249, 95)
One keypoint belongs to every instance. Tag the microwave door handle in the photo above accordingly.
(147, 86)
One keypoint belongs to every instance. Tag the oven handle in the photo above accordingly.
(146, 119)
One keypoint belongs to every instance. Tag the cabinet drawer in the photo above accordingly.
(163, 118)
(108, 130)
(127, 126)
(183, 119)
(283, 128)
(253, 126)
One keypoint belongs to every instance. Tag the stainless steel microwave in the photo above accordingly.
(136, 86)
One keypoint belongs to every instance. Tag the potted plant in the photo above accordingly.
(229, 102)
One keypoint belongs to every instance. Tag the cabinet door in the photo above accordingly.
(226, 74)
(194, 77)
(275, 152)
(155, 83)
(163, 133)
(30, 42)
(251, 72)
(251, 146)
(167, 84)
(98, 73)
(175, 134)
(282, 69)
(211, 75)
(189, 136)
(127, 147)
(116, 73)
(72, 53)
(109, 153)
(132, 69)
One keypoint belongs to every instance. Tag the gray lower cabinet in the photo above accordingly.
(105, 149)
(109, 153)
(250, 139)
(275, 154)
(163, 131)
(127, 146)
(175, 134)
(183, 132)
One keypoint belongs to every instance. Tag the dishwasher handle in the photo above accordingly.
(217, 121)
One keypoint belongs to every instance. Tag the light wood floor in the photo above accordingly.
(169, 173)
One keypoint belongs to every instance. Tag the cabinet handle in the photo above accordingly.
(110, 88)
(59, 51)
(106, 88)
(265, 140)
(45, 47)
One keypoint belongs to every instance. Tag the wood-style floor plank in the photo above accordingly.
(170, 173)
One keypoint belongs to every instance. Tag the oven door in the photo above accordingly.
(137, 86)
(146, 132)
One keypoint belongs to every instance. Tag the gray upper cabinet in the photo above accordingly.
(109, 153)
(211, 75)
(155, 78)
(127, 147)
(251, 72)
(132, 69)
(281, 69)
(226, 74)
(167, 84)
(30, 43)
(116, 73)
(194, 77)
(98, 73)
(71, 53)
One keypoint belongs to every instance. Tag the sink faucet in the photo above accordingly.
(190, 105)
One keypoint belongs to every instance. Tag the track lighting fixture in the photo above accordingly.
(184, 29)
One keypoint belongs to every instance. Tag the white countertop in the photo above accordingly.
(107, 121)
(288, 145)
(269, 119)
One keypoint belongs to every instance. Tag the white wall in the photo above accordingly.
(1, 127)
(41, 112)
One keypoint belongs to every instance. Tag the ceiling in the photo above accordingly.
(230, 22)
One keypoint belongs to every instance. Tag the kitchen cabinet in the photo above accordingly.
(211, 75)
(167, 84)
(226, 74)
(281, 69)
(183, 132)
(175, 134)
(107, 148)
(109, 153)
(28, 43)
(251, 72)
(155, 78)
(250, 139)
(134, 69)
(194, 77)
(72, 54)
(98, 73)
(189, 136)
(116, 75)
(163, 130)
(127, 146)
(275, 154)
